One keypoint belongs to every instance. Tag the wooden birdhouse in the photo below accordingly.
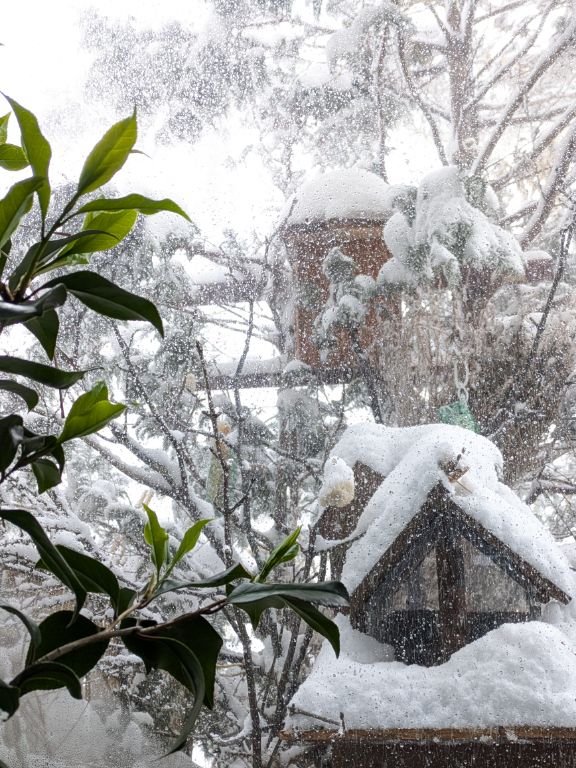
(345, 209)
(449, 655)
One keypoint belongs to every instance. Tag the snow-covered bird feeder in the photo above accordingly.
(459, 647)
(343, 209)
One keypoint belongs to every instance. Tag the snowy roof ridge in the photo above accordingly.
(410, 460)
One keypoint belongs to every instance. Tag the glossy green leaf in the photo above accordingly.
(11, 437)
(156, 538)
(12, 158)
(30, 396)
(322, 592)
(47, 474)
(46, 676)
(93, 575)
(20, 312)
(4, 128)
(59, 629)
(189, 541)
(9, 700)
(34, 446)
(188, 650)
(135, 203)
(31, 626)
(16, 204)
(47, 551)
(233, 573)
(316, 621)
(126, 598)
(37, 149)
(110, 229)
(108, 299)
(109, 155)
(43, 374)
(89, 413)
(283, 553)
(45, 329)
(39, 257)
(256, 608)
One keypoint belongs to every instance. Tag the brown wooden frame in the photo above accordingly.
(439, 524)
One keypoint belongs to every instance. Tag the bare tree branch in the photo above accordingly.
(553, 185)
(546, 61)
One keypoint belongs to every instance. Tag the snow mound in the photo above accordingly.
(442, 231)
(350, 193)
(410, 459)
(518, 674)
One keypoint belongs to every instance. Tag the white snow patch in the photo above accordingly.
(518, 674)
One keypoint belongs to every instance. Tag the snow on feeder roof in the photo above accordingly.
(349, 193)
(410, 460)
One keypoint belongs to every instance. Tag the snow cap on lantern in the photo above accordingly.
(343, 209)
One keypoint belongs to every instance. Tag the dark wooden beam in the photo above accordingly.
(263, 379)
(451, 589)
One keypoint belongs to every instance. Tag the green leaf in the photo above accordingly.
(27, 394)
(135, 203)
(108, 299)
(47, 474)
(188, 650)
(109, 155)
(35, 446)
(89, 413)
(110, 229)
(92, 574)
(126, 598)
(9, 700)
(316, 621)
(11, 437)
(12, 158)
(188, 542)
(47, 551)
(4, 128)
(236, 571)
(61, 628)
(21, 312)
(156, 538)
(256, 609)
(37, 149)
(17, 202)
(30, 625)
(45, 329)
(43, 264)
(322, 592)
(47, 675)
(43, 374)
(283, 553)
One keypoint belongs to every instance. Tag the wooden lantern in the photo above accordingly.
(353, 222)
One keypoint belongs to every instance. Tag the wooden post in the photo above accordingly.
(451, 590)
